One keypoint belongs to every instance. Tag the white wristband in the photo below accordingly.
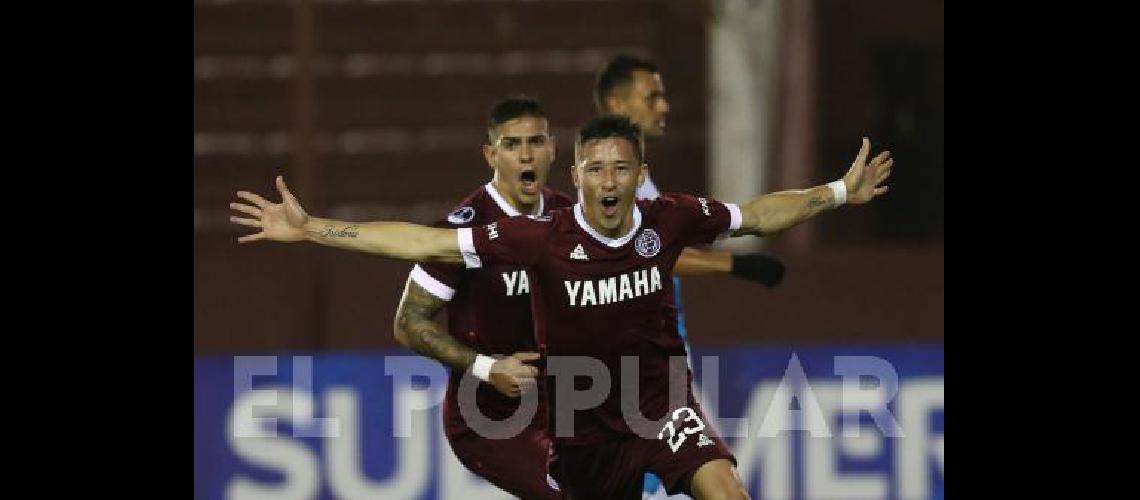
(839, 189)
(481, 368)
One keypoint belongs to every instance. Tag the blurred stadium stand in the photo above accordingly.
(375, 110)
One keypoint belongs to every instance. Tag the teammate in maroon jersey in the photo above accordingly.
(597, 291)
(488, 311)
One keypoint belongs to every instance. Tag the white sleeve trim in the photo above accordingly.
(432, 285)
(735, 219)
(467, 249)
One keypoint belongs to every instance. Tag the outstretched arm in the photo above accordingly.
(775, 212)
(288, 222)
(400, 240)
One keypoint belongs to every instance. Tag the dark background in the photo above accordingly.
(375, 111)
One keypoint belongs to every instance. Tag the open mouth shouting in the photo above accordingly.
(528, 180)
(609, 205)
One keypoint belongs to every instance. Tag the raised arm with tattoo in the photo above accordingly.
(288, 222)
(775, 212)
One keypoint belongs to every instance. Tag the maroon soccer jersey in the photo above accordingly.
(488, 309)
(605, 297)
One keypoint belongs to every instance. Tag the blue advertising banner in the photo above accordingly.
(819, 423)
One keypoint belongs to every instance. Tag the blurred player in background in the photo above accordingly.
(632, 87)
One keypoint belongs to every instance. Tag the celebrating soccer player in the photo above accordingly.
(596, 282)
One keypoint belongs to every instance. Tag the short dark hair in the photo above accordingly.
(606, 126)
(616, 73)
(516, 106)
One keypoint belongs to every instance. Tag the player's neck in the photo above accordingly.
(523, 208)
(622, 229)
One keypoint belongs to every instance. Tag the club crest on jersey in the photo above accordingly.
(648, 244)
(461, 216)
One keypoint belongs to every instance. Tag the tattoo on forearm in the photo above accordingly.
(332, 232)
(817, 202)
(428, 339)
(424, 335)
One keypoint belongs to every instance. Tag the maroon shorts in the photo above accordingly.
(616, 469)
(519, 465)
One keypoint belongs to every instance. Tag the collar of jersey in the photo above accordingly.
(506, 207)
(606, 240)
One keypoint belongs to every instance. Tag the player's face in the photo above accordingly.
(521, 153)
(644, 103)
(607, 175)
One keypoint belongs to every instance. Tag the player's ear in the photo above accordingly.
(614, 105)
(641, 176)
(574, 176)
(489, 155)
